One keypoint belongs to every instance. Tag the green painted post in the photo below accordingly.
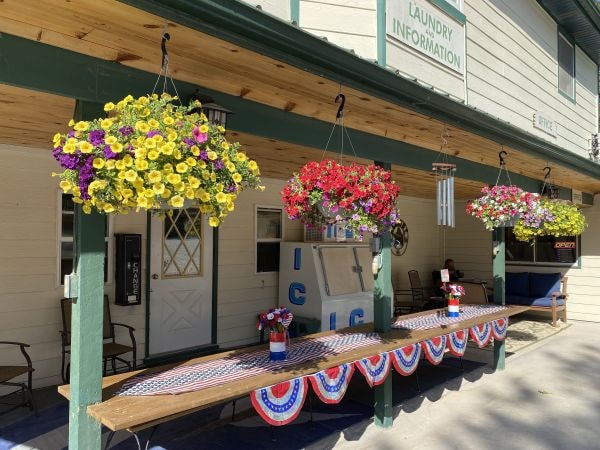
(382, 314)
(86, 321)
(295, 12)
(381, 34)
(499, 260)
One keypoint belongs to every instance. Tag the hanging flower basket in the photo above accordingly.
(502, 205)
(150, 153)
(554, 218)
(327, 192)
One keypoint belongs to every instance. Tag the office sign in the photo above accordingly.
(544, 122)
(422, 26)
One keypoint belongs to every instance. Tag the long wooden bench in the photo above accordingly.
(135, 413)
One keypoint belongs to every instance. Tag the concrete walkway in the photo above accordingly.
(547, 398)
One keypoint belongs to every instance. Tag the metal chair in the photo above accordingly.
(418, 292)
(111, 350)
(8, 373)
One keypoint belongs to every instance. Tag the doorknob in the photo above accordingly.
(155, 276)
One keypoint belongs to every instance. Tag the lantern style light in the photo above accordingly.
(215, 113)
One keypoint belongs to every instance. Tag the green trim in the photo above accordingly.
(147, 280)
(561, 32)
(499, 272)
(381, 34)
(21, 64)
(295, 12)
(450, 10)
(215, 285)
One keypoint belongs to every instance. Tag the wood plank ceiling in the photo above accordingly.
(114, 31)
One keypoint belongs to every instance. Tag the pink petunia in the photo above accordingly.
(199, 137)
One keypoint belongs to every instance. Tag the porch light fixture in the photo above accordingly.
(216, 113)
(444, 178)
(548, 189)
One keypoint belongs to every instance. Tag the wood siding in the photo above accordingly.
(512, 71)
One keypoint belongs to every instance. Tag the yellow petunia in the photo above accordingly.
(195, 150)
(212, 155)
(230, 166)
(214, 221)
(230, 206)
(177, 154)
(65, 185)
(191, 161)
(189, 193)
(172, 136)
(203, 128)
(241, 156)
(153, 155)
(237, 177)
(150, 143)
(71, 122)
(85, 147)
(252, 165)
(128, 160)
(110, 164)
(106, 124)
(128, 99)
(127, 193)
(131, 175)
(153, 123)
(56, 138)
(181, 167)
(120, 165)
(174, 178)
(142, 126)
(110, 140)
(108, 208)
(141, 164)
(158, 188)
(193, 182)
(168, 120)
(176, 201)
(140, 153)
(221, 197)
(87, 209)
(69, 148)
(225, 145)
(98, 163)
(109, 106)
(138, 184)
(154, 176)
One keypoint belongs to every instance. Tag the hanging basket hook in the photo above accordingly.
(501, 156)
(163, 46)
(340, 111)
(548, 171)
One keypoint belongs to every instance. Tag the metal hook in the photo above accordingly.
(340, 111)
(163, 46)
(501, 157)
(548, 170)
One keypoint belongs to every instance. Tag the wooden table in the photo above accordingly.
(134, 413)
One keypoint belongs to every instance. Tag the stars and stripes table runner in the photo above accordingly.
(233, 368)
(438, 318)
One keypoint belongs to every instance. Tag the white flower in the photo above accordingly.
(270, 316)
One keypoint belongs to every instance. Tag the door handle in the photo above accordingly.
(155, 276)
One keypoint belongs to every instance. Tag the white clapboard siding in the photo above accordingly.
(512, 71)
(278, 8)
(350, 24)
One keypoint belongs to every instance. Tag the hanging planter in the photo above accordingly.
(327, 192)
(151, 154)
(501, 206)
(554, 217)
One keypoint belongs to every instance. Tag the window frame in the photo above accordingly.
(562, 35)
(574, 265)
(258, 240)
(108, 239)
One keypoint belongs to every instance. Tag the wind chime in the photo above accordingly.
(444, 179)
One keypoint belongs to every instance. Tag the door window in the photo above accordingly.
(182, 244)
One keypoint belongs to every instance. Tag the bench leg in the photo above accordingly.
(565, 315)
(554, 317)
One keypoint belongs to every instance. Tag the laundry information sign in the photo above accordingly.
(422, 26)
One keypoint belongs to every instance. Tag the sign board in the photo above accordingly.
(422, 26)
(445, 275)
(544, 122)
(576, 197)
(564, 245)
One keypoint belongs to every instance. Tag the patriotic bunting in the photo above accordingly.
(280, 404)
(406, 359)
(375, 368)
(481, 334)
(457, 342)
(434, 349)
(499, 327)
(330, 385)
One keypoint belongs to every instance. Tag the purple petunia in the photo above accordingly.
(203, 155)
(96, 137)
(86, 174)
(189, 141)
(108, 153)
(126, 131)
(153, 133)
(218, 164)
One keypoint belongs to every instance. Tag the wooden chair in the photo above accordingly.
(8, 373)
(475, 293)
(111, 350)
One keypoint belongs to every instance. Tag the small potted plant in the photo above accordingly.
(328, 192)
(148, 153)
(501, 205)
(276, 321)
(453, 293)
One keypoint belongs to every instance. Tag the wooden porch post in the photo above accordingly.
(382, 312)
(499, 268)
(86, 320)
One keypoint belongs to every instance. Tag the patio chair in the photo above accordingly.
(404, 301)
(111, 350)
(475, 293)
(9, 373)
(418, 292)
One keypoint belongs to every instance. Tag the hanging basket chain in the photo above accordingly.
(343, 132)
(503, 168)
(165, 72)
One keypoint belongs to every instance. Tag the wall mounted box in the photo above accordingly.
(128, 269)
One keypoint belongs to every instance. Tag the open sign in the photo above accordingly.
(564, 245)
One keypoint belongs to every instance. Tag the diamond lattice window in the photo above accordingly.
(182, 243)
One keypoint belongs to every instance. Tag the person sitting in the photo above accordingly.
(453, 274)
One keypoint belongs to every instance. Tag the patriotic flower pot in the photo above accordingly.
(453, 307)
(277, 346)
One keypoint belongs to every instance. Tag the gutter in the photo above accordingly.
(248, 27)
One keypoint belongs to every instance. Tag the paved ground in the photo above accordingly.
(547, 398)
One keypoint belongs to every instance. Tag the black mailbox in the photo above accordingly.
(128, 269)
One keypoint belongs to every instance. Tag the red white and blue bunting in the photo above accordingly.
(375, 368)
(330, 385)
(434, 349)
(499, 327)
(481, 334)
(280, 404)
(457, 342)
(406, 359)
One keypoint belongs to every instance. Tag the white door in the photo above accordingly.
(180, 282)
